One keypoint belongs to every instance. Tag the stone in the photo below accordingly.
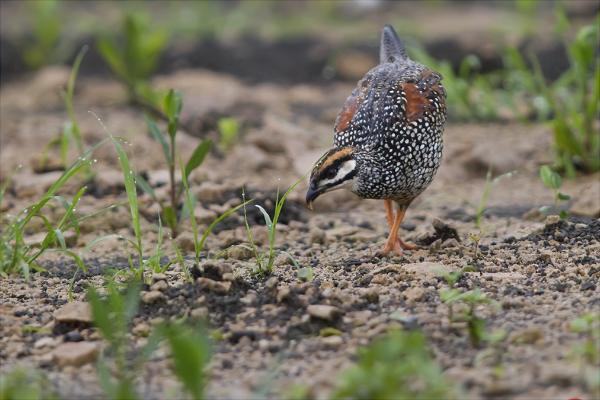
(75, 353)
(370, 294)
(214, 286)
(185, 241)
(199, 313)
(152, 296)
(551, 220)
(529, 335)
(228, 276)
(283, 293)
(77, 311)
(73, 336)
(414, 294)
(141, 329)
(44, 342)
(332, 342)
(317, 235)
(240, 252)
(427, 269)
(159, 277)
(323, 311)
(160, 286)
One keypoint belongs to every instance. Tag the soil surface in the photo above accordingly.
(542, 273)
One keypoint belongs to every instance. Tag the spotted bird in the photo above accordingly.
(388, 136)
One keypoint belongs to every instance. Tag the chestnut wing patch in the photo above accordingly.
(345, 116)
(352, 105)
(423, 96)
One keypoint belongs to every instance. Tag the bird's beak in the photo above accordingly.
(312, 193)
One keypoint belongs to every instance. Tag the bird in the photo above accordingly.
(387, 140)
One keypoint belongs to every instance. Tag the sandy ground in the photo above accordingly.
(541, 274)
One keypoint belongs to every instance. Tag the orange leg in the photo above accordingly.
(389, 212)
(394, 242)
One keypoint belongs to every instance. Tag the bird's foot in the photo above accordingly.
(397, 247)
(407, 246)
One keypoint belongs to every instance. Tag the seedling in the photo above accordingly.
(588, 325)
(472, 299)
(71, 131)
(133, 57)
(112, 316)
(45, 33)
(190, 203)
(130, 189)
(15, 254)
(229, 129)
(553, 181)
(172, 106)
(390, 367)
(264, 261)
(575, 101)
(190, 351)
(485, 195)
(21, 383)
(587, 353)
(155, 261)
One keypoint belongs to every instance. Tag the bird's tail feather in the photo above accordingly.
(391, 48)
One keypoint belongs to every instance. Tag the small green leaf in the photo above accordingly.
(329, 331)
(100, 314)
(266, 216)
(563, 214)
(563, 197)
(158, 136)
(198, 156)
(173, 104)
(190, 352)
(306, 274)
(550, 178)
(170, 217)
(111, 55)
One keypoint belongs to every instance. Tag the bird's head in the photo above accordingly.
(336, 169)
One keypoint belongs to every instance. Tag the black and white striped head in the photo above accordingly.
(336, 169)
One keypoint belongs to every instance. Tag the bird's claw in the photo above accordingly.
(397, 247)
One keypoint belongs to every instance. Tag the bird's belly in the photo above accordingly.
(404, 174)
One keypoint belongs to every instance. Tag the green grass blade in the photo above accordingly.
(220, 218)
(198, 156)
(69, 98)
(159, 137)
(266, 217)
(130, 188)
(189, 204)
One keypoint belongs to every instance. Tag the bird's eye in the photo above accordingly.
(330, 174)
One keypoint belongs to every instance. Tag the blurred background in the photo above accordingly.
(292, 41)
(522, 60)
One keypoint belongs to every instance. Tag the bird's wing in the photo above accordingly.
(352, 123)
(380, 106)
(422, 96)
